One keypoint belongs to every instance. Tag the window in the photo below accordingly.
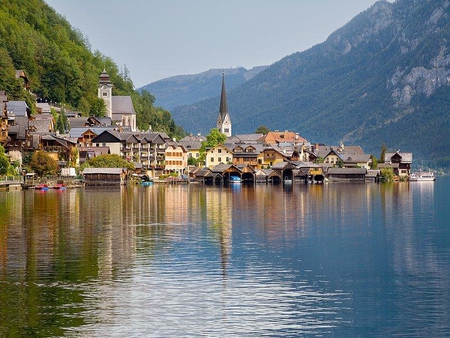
(212, 159)
(219, 159)
(105, 94)
(219, 151)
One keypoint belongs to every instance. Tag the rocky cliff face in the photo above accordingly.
(382, 78)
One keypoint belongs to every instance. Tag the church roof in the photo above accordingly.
(122, 105)
(104, 78)
(223, 109)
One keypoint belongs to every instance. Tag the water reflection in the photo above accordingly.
(340, 259)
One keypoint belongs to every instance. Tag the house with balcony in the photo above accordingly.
(270, 156)
(176, 158)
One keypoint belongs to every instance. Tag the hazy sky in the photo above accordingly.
(156, 39)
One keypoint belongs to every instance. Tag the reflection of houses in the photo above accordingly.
(400, 162)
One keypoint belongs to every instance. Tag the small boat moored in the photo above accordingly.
(41, 187)
(422, 176)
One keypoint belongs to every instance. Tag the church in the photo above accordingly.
(119, 108)
(223, 120)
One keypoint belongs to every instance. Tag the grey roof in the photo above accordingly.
(406, 157)
(354, 158)
(220, 168)
(191, 145)
(346, 171)
(193, 138)
(77, 132)
(42, 126)
(114, 171)
(246, 138)
(18, 108)
(78, 122)
(44, 107)
(122, 105)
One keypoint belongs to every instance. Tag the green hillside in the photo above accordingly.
(382, 78)
(61, 66)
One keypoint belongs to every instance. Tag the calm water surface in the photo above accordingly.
(343, 260)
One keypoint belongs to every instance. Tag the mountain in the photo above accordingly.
(186, 89)
(384, 77)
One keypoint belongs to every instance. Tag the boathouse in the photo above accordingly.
(104, 176)
(347, 174)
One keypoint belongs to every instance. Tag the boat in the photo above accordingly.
(41, 187)
(422, 176)
(60, 186)
(235, 179)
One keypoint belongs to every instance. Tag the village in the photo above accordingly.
(273, 157)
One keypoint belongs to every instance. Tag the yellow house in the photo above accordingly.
(270, 156)
(176, 158)
(217, 155)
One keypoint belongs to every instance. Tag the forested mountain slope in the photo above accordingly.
(60, 65)
(382, 78)
(186, 89)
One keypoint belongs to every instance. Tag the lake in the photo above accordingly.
(342, 260)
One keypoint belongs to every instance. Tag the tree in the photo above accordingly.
(383, 153)
(214, 138)
(387, 174)
(108, 161)
(43, 164)
(262, 130)
(374, 164)
(4, 161)
(61, 122)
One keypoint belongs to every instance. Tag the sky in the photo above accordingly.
(156, 39)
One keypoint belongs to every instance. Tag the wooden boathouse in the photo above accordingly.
(104, 176)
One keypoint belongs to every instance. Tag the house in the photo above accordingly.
(400, 162)
(218, 154)
(176, 157)
(247, 154)
(269, 156)
(104, 176)
(20, 74)
(193, 145)
(145, 148)
(17, 109)
(86, 153)
(276, 137)
(43, 108)
(60, 148)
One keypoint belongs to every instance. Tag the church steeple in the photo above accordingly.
(105, 91)
(223, 120)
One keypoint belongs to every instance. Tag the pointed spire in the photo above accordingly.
(223, 110)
